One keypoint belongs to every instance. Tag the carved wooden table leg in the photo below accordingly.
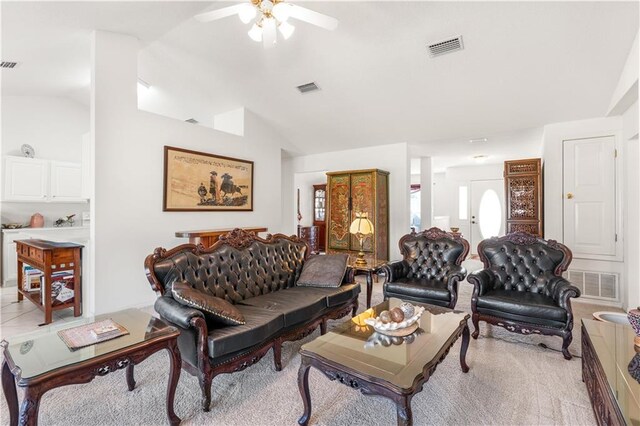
(10, 394)
(403, 411)
(29, 407)
(174, 376)
(369, 288)
(463, 349)
(303, 386)
(131, 382)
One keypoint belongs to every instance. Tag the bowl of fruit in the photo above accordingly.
(399, 321)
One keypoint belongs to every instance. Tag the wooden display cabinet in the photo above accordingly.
(319, 213)
(523, 196)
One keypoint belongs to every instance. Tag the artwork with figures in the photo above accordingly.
(198, 181)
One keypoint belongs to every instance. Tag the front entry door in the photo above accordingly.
(487, 210)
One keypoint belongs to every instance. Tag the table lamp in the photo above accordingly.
(361, 227)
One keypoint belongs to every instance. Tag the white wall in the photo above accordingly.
(127, 217)
(554, 135)
(305, 182)
(392, 158)
(53, 126)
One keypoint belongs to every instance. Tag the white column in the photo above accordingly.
(426, 191)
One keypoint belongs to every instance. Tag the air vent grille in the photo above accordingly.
(7, 64)
(192, 121)
(309, 87)
(445, 46)
(596, 285)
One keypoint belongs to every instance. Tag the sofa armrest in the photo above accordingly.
(394, 270)
(349, 276)
(482, 281)
(176, 313)
(561, 291)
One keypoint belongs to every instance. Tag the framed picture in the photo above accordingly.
(198, 181)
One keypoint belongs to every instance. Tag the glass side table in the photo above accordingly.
(41, 361)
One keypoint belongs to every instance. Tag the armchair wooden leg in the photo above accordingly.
(566, 341)
(475, 319)
(277, 355)
(205, 380)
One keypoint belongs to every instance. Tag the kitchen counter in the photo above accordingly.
(52, 228)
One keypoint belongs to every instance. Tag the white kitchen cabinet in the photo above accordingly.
(26, 179)
(36, 180)
(66, 181)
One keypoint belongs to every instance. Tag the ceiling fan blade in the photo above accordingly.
(220, 13)
(269, 33)
(311, 17)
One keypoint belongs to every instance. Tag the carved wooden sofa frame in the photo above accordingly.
(207, 368)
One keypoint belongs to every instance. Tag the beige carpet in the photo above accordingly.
(512, 381)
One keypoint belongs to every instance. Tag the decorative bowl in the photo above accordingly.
(393, 327)
(454, 229)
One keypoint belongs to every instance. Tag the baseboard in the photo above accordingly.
(600, 302)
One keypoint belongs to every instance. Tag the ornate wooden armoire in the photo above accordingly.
(523, 196)
(352, 192)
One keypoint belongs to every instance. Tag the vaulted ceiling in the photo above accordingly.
(524, 64)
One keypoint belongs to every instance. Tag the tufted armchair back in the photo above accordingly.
(523, 262)
(430, 253)
(239, 266)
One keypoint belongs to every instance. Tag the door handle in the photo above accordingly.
(473, 221)
(569, 195)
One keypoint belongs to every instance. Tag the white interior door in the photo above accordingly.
(487, 210)
(590, 196)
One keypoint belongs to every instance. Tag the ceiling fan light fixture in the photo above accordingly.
(269, 32)
(286, 29)
(281, 12)
(247, 13)
(255, 33)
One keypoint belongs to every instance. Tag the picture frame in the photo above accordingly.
(200, 181)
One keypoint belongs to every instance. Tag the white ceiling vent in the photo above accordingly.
(309, 87)
(7, 64)
(191, 120)
(445, 46)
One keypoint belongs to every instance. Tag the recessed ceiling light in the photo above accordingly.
(480, 158)
(476, 140)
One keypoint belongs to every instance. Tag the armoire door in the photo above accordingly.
(590, 196)
(338, 237)
(362, 201)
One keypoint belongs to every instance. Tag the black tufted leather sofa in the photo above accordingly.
(521, 287)
(259, 277)
(430, 269)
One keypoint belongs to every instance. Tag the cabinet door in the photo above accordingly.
(362, 201)
(25, 179)
(66, 181)
(339, 217)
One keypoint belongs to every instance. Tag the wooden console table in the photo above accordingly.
(50, 257)
(209, 237)
(611, 372)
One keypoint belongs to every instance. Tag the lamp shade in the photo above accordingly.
(361, 225)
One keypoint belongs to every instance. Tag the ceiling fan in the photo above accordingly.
(270, 17)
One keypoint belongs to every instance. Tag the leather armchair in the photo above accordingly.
(521, 287)
(430, 269)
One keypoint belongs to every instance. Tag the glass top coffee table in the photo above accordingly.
(394, 367)
(41, 361)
